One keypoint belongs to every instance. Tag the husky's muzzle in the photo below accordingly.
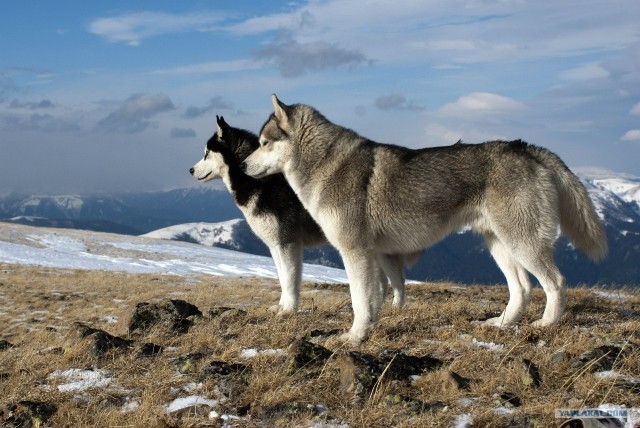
(192, 171)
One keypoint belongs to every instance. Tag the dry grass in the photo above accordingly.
(40, 305)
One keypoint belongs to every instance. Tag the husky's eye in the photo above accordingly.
(206, 152)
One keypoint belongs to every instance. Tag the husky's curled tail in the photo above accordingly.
(578, 217)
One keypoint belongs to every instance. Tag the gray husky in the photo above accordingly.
(275, 214)
(371, 198)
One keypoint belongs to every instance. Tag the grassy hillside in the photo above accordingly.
(237, 364)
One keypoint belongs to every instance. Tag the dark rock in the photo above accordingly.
(101, 340)
(183, 309)
(402, 366)
(187, 363)
(4, 345)
(173, 315)
(459, 382)
(84, 330)
(360, 372)
(149, 350)
(4, 376)
(602, 358)
(231, 378)
(27, 414)
(509, 399)
(304, 354)
(531, 375)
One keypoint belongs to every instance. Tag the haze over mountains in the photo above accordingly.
(208, 216)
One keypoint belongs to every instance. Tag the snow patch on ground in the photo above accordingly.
(612, 294)
(252, 352)
(614, 375)
(464, 420)
(191, 400)
(488, 345)
(80, 379)
(145, 255)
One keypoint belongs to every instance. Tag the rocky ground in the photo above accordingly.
(96, 348)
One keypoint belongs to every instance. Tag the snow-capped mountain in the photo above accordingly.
(208, 216)
(237, 235)
(209, 234)
(131, 213)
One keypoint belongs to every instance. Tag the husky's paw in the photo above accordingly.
(397, 304)
(351, 338)
(498, 322)
(280, 310)
(542, 323)
(275, 309)
(495, 322)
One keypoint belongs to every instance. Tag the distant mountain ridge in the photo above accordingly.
(135, 212)
(209, 216)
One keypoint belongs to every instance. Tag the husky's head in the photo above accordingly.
(275, 149)
(227, 147)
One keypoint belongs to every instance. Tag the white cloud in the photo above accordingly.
(294, 59)
(631, 135)
(213, 67)
(134, 113)
(132, 28)
(396, 102)
(457, 31)
(585, 72)
(439, 134)
(635, 110)
(480, 103)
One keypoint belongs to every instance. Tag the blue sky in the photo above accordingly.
(104, 96)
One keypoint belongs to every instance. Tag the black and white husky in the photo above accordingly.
(275, 214)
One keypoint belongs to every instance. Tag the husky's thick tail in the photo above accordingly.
(578, 217)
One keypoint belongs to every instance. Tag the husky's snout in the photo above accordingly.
(191, 170)
(243, 166)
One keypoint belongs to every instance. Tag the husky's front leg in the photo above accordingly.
(363, 272)
(288, 261)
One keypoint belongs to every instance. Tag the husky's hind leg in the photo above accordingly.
(537, 258)
(288, 261)
(553, 283)
(517, 281)
(363, 270)
(393, 267)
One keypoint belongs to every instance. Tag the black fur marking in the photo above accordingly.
(273, 194)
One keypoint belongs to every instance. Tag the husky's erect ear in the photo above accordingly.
(281, 110)
(222, 126)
